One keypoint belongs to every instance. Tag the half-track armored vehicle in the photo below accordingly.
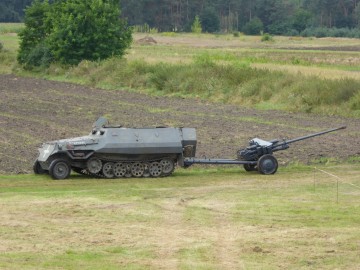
(116, 151)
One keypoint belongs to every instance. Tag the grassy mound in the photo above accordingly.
(230, 82)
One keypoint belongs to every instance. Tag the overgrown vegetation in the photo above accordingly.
(231, 82)
(71, 31)
(320, 32)
(196, 26)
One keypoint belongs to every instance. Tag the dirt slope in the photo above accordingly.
(34, 111)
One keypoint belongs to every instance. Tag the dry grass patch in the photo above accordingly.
(323, 73)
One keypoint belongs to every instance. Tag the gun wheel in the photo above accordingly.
(267, 164)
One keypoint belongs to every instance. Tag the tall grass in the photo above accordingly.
(231, 82)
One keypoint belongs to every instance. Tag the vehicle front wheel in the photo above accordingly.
(60, 169)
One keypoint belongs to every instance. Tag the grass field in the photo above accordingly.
(318, 75)
(196, 219)
(325, 54)
(201, 218)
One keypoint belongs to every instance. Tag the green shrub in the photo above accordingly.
(71, 31)
(1, 46)
(196, 26)
(355, 102)
(40, 56)
(267, 37)
(35, 31)
(320, 32)
(253, 27)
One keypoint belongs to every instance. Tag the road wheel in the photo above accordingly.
(60, 169)
(108, 170)
(94, 165)
(155, 169)
(168, 166)
(137, 169)
(267, 164)
(120, 169)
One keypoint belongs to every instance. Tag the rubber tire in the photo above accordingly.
(267, 164)
(60, 164)
(37, 168)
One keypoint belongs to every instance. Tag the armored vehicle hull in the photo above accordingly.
(115, 151)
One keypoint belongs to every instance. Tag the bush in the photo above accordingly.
(40, 56)
(71, 31)
(320, 32)
(1, 46)
(253, 27)
(196, 26)
(35, 31)
(293, 33)
(267, 37)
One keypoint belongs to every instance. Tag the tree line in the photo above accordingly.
(282, 17)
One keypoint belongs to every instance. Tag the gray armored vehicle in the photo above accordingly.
(115, 151)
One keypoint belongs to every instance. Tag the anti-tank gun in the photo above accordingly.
(262, 151)
(258, 156)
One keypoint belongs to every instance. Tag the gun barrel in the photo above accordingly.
(314, 135)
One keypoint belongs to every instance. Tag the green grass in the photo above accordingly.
(212, 218)
(11, 27)
(235, 83)
(10, 45)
